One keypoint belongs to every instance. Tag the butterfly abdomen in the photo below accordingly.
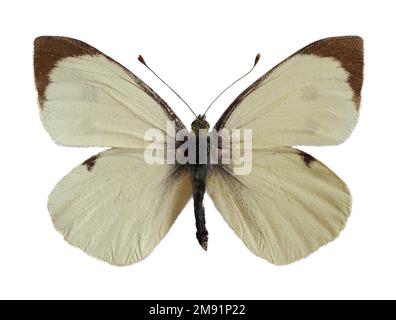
(199, 174)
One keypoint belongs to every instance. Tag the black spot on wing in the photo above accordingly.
(90, 162)
(307, 158)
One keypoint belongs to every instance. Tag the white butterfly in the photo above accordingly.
(117, 207)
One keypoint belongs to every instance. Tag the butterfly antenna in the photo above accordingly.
(141, 59)
(256, 60)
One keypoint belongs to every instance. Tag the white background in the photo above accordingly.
(198, 47)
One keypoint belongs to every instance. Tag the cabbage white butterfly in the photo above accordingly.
(117, 207)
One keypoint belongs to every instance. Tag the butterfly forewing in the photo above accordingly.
(311, 98)
(88, 99)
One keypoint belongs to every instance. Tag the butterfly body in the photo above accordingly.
(199, 175)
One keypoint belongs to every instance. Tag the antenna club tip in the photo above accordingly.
(257, 59)
(141, 59)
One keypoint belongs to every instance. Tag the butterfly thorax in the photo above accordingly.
(199, 124)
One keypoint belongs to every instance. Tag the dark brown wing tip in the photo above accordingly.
(48, 51)
(349, 51)
(324, 45)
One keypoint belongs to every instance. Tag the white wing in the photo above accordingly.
(88, 99)
(116, 207)
(286, 208)
(311, 98)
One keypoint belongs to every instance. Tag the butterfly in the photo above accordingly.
(117, 207)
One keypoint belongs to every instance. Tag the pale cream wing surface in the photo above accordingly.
(88, 99)
(311, 98)
(286, 208)
(116, 207)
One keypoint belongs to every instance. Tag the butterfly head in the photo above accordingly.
(199, 123)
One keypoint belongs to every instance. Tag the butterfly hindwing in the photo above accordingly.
(88, 99)
(116, 207)
(286, 208)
